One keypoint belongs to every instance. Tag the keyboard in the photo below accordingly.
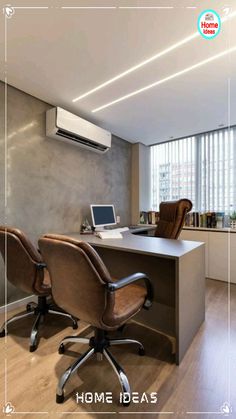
(112, 234)
(121, 229)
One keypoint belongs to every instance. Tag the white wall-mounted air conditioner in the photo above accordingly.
(63, 125)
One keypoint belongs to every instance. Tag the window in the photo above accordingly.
(173, 171)
(201, 168)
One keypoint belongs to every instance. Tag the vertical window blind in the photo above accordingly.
(201, 168)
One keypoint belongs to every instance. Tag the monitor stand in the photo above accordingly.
(105, 228)
(99, 229)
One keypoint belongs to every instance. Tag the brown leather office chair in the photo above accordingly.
(82, 285)
(25, 270)
(172, 216)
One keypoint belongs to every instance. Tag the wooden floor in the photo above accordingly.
(204, 381)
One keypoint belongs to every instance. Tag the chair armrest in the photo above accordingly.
(121, 283)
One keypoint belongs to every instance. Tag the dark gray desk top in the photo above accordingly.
(142, 244)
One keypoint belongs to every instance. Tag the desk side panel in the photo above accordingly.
(190, 298)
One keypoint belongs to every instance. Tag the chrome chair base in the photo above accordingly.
(40, 310)
(98, 345)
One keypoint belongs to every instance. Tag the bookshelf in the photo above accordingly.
(217, 220)
(222, 230)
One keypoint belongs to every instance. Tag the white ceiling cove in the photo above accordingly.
(59, 50)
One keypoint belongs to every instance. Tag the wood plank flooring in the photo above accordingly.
(196, 389)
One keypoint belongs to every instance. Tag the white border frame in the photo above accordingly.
(225, 408)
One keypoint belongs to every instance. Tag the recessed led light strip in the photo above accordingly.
(149, 60)
(88, 7)
(136, 67)
(146, 7)
(172, 76)
(29, 7)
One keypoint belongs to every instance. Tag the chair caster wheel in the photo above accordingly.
(61, 349)
(125, 404)
(32, 348)
(141, 351)
(125, 401)
(2, 333)
(60, 398)
(75, 325)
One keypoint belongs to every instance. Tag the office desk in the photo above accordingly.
(176, 268)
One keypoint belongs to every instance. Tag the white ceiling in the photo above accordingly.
(58, 54)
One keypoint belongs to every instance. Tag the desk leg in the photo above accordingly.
(190, 299)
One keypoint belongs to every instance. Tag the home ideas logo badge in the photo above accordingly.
(124, 398)
(209, 24)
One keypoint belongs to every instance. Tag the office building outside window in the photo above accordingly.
(201, 168)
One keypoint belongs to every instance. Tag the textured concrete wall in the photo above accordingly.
(50, 184)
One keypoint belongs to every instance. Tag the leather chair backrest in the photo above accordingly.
(78, 277)
(21, 259)
(172, 216)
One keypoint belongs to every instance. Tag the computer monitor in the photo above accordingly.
(103, 215)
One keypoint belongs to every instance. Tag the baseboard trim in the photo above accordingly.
(18, 303)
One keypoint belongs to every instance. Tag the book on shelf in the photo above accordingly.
(151, 217)
(220, 219)
(192, 219)
(203, 220)
(143, 219)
